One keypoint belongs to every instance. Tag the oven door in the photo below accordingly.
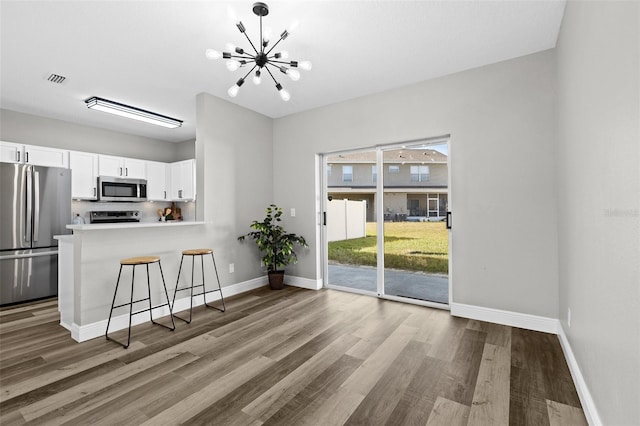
(127, 190)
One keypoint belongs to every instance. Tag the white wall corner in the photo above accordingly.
(513, 319)
(307, 283)
(588, 405)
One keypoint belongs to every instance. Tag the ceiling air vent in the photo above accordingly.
(55, 78)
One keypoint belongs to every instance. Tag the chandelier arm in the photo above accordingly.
(274, 46)
(251, 43)
(280, 62)
(242, 57)
(269, 71)
(250, 71)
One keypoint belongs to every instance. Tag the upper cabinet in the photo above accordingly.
(35, 155)
(84, 175)
(158, 181)
(165, 181)
(122, 167)
(183, 180)
(11, 152)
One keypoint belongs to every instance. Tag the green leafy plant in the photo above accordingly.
(274, 241)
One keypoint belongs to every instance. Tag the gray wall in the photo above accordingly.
(599, 199)
(501, 121)
(234, 166)
(35, 130)
(185, 150)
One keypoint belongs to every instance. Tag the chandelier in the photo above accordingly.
(261, 58)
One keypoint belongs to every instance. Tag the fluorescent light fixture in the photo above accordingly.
(132, 112)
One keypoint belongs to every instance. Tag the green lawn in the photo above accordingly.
(412, 246)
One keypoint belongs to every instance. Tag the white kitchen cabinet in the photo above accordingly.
(158, 181)
(35, 155)
(183, 180)
(11, 152)
(84, 175)
(122, 167)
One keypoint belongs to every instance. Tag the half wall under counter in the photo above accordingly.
(89, 262)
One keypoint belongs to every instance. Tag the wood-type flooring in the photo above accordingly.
(289, 357)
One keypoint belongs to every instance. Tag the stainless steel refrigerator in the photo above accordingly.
(35, 205)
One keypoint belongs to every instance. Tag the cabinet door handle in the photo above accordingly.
(18, 152)
(120, 171)
(26, 157)
(95, 190)
(165, 195)
(180, 193)
(126, 171)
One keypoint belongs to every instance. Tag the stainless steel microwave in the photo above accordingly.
(119, 189)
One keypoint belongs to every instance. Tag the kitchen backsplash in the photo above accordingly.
(148, 210)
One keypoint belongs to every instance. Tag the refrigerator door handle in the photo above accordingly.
(27, 228)
(24, 256)
(36, 212)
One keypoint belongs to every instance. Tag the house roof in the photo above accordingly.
(395, 156)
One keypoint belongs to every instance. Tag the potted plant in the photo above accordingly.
(275, 244)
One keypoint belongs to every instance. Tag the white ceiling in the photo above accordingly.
(150, 54)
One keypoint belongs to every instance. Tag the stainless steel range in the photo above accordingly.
(114, 216)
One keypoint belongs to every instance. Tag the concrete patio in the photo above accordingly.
(413, 285)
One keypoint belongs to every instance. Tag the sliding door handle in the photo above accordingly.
(448, 220)
(324, 218)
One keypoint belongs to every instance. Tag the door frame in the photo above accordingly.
(322, 248)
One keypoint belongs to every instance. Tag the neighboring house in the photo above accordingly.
(415, 182)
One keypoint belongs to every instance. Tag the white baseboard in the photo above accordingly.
(537, 323)
(303, 282)
(513, 319)
(121, 322)
(588, 405)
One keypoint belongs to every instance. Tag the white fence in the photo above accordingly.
(346, 219)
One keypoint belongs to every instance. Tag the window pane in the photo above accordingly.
(347, 173)
(415, 173)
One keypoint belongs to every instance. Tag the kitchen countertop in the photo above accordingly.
(130, 225)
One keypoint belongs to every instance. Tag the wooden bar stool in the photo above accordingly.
(193, 253)
(135, 261)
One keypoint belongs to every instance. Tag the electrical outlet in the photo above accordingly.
(569, 317)
(231, 268)
(293, 212)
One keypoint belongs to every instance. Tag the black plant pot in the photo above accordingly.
(276, 280)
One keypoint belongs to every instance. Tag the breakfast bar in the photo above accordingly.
(89, 263)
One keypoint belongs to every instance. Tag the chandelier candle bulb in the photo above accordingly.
(294, 75)
(233, 65)
(213, 54)
(233, 90)
(257, 78)
(305, 65)
(294, 26)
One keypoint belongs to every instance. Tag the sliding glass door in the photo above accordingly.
(416, 241)
(350, 215)
(385, 211)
